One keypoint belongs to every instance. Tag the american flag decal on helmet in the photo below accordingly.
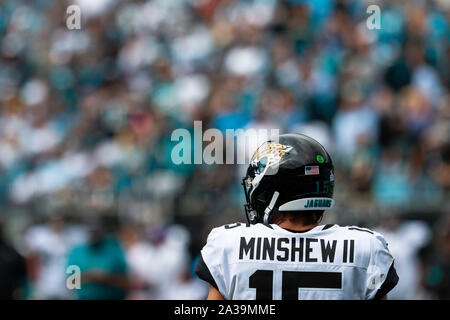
(311, 170)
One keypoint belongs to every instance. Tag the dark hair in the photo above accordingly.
(306, 217)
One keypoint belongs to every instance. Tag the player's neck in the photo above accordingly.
(287, 224)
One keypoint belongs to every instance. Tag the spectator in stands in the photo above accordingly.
(13, 273)
(102, 265)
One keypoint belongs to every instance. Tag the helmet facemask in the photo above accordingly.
(256, 209)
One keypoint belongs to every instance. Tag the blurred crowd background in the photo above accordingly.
(86, 116)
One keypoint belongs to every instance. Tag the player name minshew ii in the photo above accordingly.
(295, 249)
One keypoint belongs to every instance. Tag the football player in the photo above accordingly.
(283, 252)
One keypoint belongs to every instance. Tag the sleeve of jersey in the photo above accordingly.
(211, 258)
(381, 274)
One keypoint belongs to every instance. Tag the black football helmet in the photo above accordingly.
(294, 173)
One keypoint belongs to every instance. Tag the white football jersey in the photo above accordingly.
(247, 262)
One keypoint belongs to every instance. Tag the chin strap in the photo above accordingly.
(269, 209)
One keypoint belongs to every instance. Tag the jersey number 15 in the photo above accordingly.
(262, 281)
